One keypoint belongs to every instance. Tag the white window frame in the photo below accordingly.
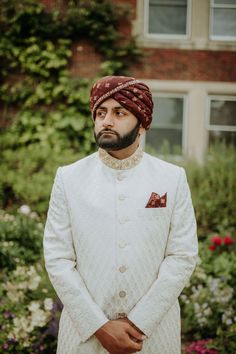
(215, 127)
(184, 124)
(165, 37)
(216, 37)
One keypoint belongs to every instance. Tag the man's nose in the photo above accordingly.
(108, 120)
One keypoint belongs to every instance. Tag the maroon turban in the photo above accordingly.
(132, 94)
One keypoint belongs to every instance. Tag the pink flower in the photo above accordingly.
(216, 240)
(228, 240)
(212, 247)
(200, 347)
(5, 346)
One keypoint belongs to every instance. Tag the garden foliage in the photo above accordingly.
(45, 119)
(213, 187)
(28, 310)
(209, 300)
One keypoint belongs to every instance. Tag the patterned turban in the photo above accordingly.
(132, 94)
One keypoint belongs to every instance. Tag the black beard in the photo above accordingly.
(121, 142)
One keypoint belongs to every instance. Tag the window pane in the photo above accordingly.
(223, 112)
(225, 2)
(168, 112)
(224, 22)
(164, 140)
(165, 133)
(226, 137)
(168, 17)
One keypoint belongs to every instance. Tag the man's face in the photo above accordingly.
(115, 127)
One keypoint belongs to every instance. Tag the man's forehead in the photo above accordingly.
(113, 107)
(110, 103)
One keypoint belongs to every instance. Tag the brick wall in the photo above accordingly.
(160, 64)
(196, 65)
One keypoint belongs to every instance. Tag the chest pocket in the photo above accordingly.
(152, 214)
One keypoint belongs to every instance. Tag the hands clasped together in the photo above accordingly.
(120, 337)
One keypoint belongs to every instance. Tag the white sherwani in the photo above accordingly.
(108, 256)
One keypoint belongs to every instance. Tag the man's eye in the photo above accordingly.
(120, 113)
(100, 114)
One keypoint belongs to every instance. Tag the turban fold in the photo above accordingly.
(132, 94)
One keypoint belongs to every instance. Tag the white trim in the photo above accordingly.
(218, 88)
(223, 38)
(222, 128)
(223, 97)
(223, 6)
(166, 37)
(212, 36)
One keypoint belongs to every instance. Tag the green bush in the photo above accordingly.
(28, 313)
(20, 239)
(27, 176)
(213, 187)
(29, 309)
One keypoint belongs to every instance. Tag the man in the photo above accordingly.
(120, 238)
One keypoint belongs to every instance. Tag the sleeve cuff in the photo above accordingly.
(85, 335)
(139, 323)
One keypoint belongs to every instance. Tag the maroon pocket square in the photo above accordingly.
(155, 201)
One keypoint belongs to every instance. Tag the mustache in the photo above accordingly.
(107, 131)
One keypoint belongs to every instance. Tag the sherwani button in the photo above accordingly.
(123, 220)
(122, 269)
(120, 177)
(122, 293)
(123, 244)
(121, 315)
(121, 197)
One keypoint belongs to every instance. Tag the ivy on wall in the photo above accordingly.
(45, 119)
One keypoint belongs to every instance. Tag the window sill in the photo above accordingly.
(191, 44)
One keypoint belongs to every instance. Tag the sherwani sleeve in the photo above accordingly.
(177, 266)
(60, 262)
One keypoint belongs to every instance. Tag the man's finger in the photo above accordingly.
(136, 334)
(134, 339)
(138, 346)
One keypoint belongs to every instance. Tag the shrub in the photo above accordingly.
(209, 301)
(29, 309)
(28, 314)
(20, 239)
(213, 188)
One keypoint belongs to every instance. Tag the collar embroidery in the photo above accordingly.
(124, 164)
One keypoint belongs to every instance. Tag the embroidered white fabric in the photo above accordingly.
(97, 222)
(124, 164)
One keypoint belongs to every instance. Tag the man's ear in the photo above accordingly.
(141, 130)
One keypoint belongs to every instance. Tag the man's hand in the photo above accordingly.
(119, 337)
(125, 319)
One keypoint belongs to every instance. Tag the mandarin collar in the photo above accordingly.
(124, 164)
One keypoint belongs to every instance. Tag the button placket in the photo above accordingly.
(123, 220)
